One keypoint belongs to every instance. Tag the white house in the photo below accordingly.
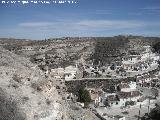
(57, 73)
(131, 87)
(70, 73)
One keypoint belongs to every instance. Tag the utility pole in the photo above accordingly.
(130, 94)
(139, 111)
(149, 106)
(139, 115)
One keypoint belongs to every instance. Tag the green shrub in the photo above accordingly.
(84, 96)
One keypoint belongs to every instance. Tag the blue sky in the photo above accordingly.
(84, 18)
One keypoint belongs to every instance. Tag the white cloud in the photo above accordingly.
(87, 26)
(110, 24)
(135, 13)
(152, 8)
(35, 24)
(84, 24)
(44, 29)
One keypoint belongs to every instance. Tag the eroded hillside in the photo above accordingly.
(26, 94)
(53, 53)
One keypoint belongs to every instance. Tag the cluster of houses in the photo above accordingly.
(133, 64)
(140, 61)
(147, 80)
(125, 94)
(125, 97)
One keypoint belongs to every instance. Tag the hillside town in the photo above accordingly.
(80, 60)
(131, 98)
(85, 84)
(133, 64)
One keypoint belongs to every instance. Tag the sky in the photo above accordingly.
(82, 18)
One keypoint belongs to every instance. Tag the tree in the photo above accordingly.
(118, 88)
(156, 47)
(84, 96)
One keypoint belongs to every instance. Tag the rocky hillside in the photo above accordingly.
(53, 53)
(109, 49)
(24, 90)
(26, 94)
(61, 52)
